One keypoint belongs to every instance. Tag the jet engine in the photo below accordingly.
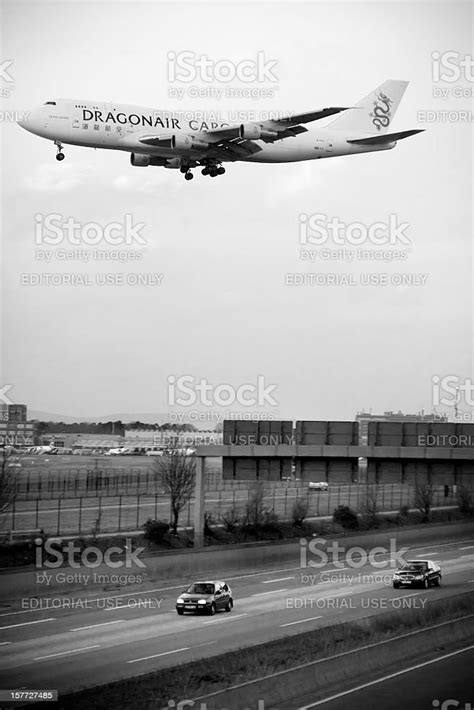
(142, 160)
(185, 142)
(255, 133)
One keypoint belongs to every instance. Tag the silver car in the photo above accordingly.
(205, 598)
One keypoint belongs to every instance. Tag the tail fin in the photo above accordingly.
(373, 114)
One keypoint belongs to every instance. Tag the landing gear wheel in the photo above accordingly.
(183, 169)
(60, 155)
(205, 171)
(213, 173)
(220, 171)
(188, 176)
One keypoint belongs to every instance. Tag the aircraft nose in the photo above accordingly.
(25, 120)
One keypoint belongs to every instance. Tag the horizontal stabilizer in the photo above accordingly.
(386, 137)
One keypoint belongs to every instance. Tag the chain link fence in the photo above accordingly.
(106, 513)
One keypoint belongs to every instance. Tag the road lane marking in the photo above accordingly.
(463, 556)
(230, 618)
(301, 621)
(5, 643)
(382, 680)
(66, 653)
(157, 655)
(273, 591)
(25, 623)
(271, 581)
(94, 626)
(469, 547)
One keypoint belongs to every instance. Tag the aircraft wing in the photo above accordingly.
(233, 142)
(270, 130)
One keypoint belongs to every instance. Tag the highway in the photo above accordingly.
(117, 635)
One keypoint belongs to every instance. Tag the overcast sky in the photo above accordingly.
(223, 311)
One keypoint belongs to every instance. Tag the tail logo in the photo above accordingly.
(381, 115)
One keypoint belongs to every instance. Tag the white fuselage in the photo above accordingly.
(120, 126)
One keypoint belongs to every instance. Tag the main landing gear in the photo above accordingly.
(59, 155)
(210, 167)
(186, 172)
(213, 170)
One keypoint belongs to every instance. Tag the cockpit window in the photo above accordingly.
(50, 103)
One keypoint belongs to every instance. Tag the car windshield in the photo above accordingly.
(201, 588)
(415, 567)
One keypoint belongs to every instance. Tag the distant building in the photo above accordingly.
(15, 430)
(17, 413)
(365, 417)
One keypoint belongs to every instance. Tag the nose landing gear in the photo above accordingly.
(59, 155)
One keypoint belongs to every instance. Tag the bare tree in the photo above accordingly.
(369, 506)
(255, 508)
(424, 495)
(176, 473)
(8, 479)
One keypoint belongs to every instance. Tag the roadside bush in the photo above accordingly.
(231, 519)
(299, 512)
(370, 517)
(465, 502)
(255, 507)
(343, 515)
(155, 530)
(424, 497)
(208, 521)
(270, 521)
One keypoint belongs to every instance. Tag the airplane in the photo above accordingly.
(120, 451)
(46, 449)
(166, 139)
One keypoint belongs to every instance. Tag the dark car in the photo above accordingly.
(420, 573)
(205, 598)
